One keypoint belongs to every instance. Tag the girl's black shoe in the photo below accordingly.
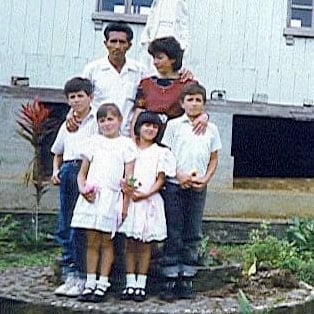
(87, 295)
(139, 295)
(127, 294)
(99, 295)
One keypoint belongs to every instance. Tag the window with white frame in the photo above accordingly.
(300, 20)
(132, 11)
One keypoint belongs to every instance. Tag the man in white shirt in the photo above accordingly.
(116, 77)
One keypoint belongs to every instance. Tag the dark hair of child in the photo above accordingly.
(193, 89)
(147, 117)
(119, 27)
(170, 47)
(105, 109)
(78, 84)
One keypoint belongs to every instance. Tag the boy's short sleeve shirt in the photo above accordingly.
(192, 152)
(69, 144)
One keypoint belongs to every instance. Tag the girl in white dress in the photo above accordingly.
(146, 220)
(107, 157)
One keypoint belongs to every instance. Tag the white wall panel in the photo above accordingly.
(236, 45)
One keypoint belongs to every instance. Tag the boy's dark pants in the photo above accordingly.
(184, 212)
(72, 241)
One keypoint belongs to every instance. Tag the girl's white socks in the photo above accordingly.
(141, 281)
(90, 281)
(130, 281)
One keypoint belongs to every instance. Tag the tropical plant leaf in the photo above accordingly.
(244, 304)
(252, 270)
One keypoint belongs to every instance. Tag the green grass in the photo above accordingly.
(42, 257)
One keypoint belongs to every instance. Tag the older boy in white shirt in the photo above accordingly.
(184, 196)
(66, 165)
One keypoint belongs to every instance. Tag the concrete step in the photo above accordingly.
(261, 204)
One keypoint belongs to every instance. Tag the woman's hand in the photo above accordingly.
(200, 124)
(185, 75)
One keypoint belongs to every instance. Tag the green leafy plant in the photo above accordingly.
(8, 234)
(268, 251)
(34, 125)
(208, 254)
(301, 234)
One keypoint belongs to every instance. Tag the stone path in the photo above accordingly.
(33, 285)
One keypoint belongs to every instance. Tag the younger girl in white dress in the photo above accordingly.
(146, 220)
(107, 157)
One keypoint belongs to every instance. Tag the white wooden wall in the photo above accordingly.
(236, 45)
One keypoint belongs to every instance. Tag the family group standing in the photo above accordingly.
(134, 156)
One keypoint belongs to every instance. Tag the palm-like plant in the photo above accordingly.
(35, 125)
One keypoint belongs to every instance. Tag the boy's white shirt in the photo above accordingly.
(69, 144)
(192, 152)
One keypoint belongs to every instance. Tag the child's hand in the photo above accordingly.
(199, 183)
(89, 192)
(138, 196)
(90, 196)
(126, 189)
(185, 180)
(55, 177)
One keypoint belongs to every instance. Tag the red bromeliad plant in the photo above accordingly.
(35, 124)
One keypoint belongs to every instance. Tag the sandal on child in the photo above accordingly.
(87, 295)
(139, 295)
(99, 294)
(127, 294)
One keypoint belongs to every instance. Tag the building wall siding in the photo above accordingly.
(236, 45)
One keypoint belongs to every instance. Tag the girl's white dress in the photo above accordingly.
(107, 158)
(146, 219)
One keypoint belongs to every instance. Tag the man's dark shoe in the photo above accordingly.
(185, 289)
(169, 290)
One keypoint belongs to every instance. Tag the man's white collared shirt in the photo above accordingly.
(192, 152)
(110, 86)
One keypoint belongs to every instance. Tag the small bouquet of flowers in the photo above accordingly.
(130, 183)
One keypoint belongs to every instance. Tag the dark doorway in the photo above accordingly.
(269, 147)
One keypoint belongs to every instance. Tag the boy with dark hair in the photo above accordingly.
(66, 165)
(185, 195)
